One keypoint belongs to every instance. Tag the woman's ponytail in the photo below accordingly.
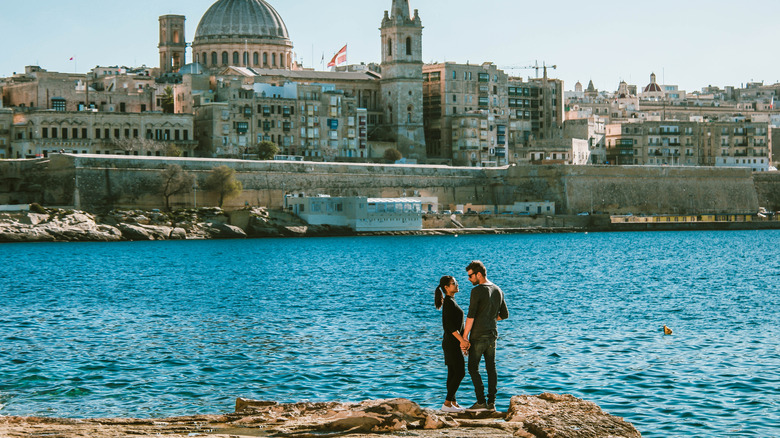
(439, 294)
(439, 297)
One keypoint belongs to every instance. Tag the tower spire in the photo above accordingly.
(400, 9)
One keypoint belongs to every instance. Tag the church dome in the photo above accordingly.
(242, 33)
(241, 19)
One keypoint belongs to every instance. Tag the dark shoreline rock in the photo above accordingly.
(542, 416)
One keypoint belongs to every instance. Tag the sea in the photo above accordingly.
(160, 329)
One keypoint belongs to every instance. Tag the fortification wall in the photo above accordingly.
(768, 190)
(95, 182)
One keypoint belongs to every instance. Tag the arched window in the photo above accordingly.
(246, 59)
(255, 59)
(273, 58)
(235, 58)
(409, 114)
(214, 60)
(225, 60)
(389, 47)
(390, 111)
(281, 61)
(205, 58)
(176, 37)
(265, 59)
(409, 46)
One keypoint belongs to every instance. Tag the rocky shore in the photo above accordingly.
(540, 416)
(59, 225)
(62, 225)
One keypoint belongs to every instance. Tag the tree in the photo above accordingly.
(168, 101)
(266, 150)
(175, 181)
(392, 155)
(223, 180)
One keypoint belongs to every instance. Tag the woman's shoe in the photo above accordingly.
(454, 409)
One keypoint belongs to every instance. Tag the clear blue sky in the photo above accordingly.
(690, 43)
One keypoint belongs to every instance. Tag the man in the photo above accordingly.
(487, 306)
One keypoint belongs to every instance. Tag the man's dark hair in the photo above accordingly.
(477, 266)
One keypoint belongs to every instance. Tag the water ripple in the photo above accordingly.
(176, 328)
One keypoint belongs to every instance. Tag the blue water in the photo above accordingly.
(172, 328)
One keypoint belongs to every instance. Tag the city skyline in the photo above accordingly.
(691, 45)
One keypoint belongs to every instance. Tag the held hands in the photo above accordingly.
(464, 346)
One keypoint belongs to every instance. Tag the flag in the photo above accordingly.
(71, 59)
(339, 58)
(772, 104)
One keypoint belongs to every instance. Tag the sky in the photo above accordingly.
(689, 43)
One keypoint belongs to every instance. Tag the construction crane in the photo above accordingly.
(536, 67)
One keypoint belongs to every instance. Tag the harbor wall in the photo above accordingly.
(98, 182)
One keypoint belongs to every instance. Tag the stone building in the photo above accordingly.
(116, 89)
(6, 122)
(508, 112)
(678, 143)
(315, 121)
(173, 43)
(591, 129)
(40, 132)
(402, 81)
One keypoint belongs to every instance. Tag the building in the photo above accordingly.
(476, 115)
(316, 121)
(591, 129)
(173, 45)
(358, 213)
(6, 122)
(36, 133)
(401, 86)
(737, 143)
(111, 89)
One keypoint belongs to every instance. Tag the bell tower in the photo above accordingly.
(173, 46)
(402, 80)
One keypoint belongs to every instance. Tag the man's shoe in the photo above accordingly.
(491, 407)
(477, 407)
(452, 409)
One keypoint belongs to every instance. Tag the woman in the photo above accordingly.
(453, 343)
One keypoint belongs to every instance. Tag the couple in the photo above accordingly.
(476, 339)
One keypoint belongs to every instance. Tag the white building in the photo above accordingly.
(359, 213)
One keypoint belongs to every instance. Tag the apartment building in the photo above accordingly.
(476, 115)
(739, 143)
(316, 121)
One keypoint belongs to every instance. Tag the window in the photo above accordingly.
(409, 46)
(225, 58)
(57, 104)
(45, 133)
(389, 47)
(255, 58)
(214, 60)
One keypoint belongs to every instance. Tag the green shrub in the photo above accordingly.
(36, 208)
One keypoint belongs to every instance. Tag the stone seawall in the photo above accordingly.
(96, 182)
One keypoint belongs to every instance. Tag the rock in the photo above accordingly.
(178, 234)
(224, 231)
(145, 232)
(566, 416)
